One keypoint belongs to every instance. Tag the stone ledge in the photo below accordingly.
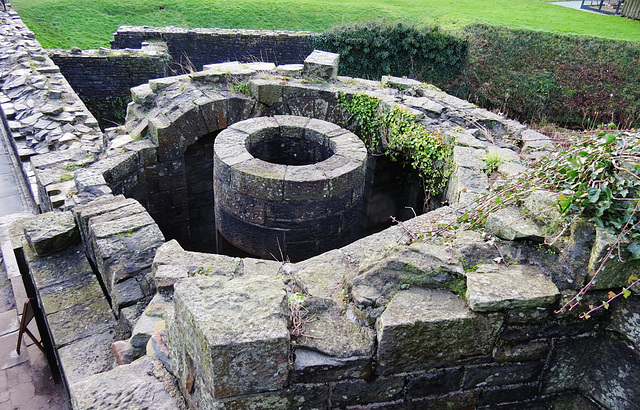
(497, 287)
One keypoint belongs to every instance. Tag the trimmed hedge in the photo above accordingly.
(534, 76)
(373, 49)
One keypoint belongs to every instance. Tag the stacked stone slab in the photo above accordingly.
(80, 324)
(44, 113)
(121, 239)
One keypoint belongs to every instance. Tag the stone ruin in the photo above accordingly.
(385, 321)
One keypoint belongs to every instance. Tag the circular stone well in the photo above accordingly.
(288, 186)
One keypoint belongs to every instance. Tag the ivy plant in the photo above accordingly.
(405, 139)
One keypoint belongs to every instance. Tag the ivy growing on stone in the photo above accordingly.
(397, 133)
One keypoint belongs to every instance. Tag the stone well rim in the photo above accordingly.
(247, 174)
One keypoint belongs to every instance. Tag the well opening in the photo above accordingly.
(288, 150)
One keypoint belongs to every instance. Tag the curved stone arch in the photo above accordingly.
(184, 112)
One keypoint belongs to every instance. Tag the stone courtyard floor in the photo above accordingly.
(25, 379)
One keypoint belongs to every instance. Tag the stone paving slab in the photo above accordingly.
(8, 355)
(9, 322)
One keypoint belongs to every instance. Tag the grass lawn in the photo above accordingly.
(90, 24)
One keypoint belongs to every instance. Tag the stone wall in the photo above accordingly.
(198, 47)
(107, 73)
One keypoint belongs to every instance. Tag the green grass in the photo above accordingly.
(90, 24)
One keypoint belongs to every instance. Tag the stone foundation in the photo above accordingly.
(381, 322)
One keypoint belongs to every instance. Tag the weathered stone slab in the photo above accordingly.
(626, 319)
(322, 276)
(421, 264)
(516, 287)
(423, 327)
(51, 232)
(313, 367)
(466, 181)
(537, 350)
(353, 392)
(167, 275)
(233, 336)
(502, 374)
(399, 82)
(143, 384)
(468, 157)
(88, 356)
(510, 223)
(171, 253)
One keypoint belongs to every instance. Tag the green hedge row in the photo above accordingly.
(568, 80)
(528, 75)
(373, 49)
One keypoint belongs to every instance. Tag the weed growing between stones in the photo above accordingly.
(397, 133)
(493, 161)
(241, 87)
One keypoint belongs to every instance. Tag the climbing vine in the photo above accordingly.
(426, 152)
(397, 133)
(364, 109)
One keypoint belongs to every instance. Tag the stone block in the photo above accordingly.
(399, 82)
(140, 385)
(616, 273)
(152, 315)
(625, 319)
(51, 232)
(421, 327)
(121, 226)
(468, 157)
(267, 92)
(511, 169)
(157, 347)
(511, 394)
(503, 374)
(510, 223)
(441, 381)
(323, 275)
(537, 350)
(333, 333)
(143, 94)
(466, 181)
(86, 357)
(66, 265)
(229, 336)
(313, 367)
(321, 64)
(305, 182)
(259, 179)
(167, 275)
(126, 293)
(456, 400)
(125, 352)
(352, 392)
(535, 141)
(307, 397)
(516, 287)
